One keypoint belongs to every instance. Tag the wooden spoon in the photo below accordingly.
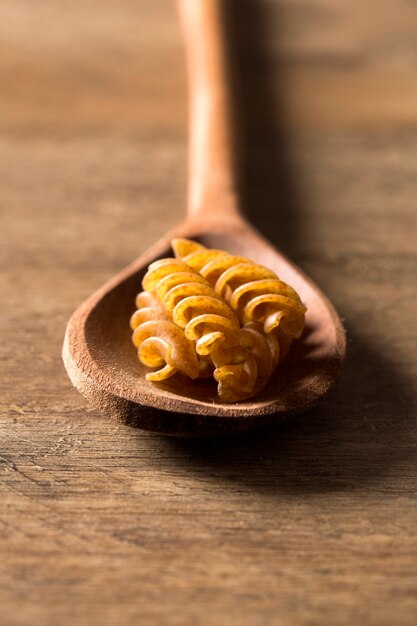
(98, 352)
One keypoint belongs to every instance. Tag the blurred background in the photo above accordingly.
(93, 128)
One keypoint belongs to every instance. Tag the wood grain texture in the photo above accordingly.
(313, 522)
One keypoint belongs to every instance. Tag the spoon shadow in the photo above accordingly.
(349, 440)
(272, 190)
(352, 438)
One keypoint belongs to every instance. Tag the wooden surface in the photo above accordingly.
(313, 522)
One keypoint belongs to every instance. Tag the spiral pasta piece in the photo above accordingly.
(160, 342)
(182, 325)
(210, 313)
(253, 292)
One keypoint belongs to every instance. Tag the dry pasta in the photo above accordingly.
(198, 317)
(254, 292)
(160, 342)
(181, 325)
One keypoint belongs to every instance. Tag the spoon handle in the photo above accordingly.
(213, 182)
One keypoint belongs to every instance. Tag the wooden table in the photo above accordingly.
(313, 522)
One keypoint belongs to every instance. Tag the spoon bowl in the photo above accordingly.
(102, 361)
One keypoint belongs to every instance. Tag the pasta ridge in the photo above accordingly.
(159, 342)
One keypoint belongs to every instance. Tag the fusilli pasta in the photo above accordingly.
(209, 313)
(254, 292)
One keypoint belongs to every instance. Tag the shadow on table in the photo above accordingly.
(362, 431)
(271, 187)
(358, 435)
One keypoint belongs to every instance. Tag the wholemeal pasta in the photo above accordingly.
(160, 342)
(254, 292)
(198, 317)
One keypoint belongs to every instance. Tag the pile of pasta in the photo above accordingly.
(208, 313)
